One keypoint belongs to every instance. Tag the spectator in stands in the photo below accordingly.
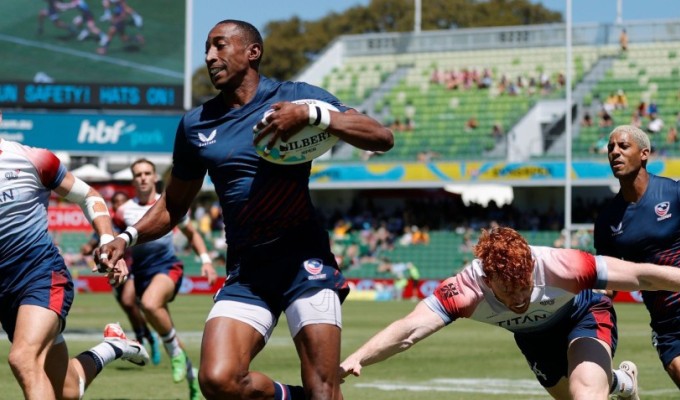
(409, 114)
(606, 119)
(623, 41)
(561, 79)
(620, 100)
(436, 77)
(453, 80)
(513, 89)
(408, 125)
(420, 235)
(396, 125)
(471, 124)
(642, 109)
(406, 238)
(486, 81)
(427, 156)
(546, 86)
(587, 119)
(502, 84)
(532, 86)
(610, 103)
(497, 132)
(655, 124)
(652, 109)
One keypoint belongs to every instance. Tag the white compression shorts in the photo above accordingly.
(315, 306)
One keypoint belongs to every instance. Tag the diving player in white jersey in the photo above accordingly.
(36, 289)
(566, 331)
(158, 272)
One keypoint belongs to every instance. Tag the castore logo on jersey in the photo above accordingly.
(617, 230)
(206, 140)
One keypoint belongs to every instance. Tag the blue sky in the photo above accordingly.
(260, 12)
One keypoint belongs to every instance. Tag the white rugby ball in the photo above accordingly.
(304, 146)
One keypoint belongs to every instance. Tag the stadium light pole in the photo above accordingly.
(188, 48)
(568, 127)
(417, 16)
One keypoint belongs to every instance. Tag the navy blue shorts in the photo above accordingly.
(274, 274)
(42, 286)
(174, 271)
(592, 316)
(666, 340)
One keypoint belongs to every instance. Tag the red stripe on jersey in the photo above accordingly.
(46, 164)
(57, 292)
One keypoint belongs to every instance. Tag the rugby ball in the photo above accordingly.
(306, 145)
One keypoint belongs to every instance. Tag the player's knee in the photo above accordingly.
(150, 306)
(217, 384)
(583, 389)
(21, 361)
(322, 389)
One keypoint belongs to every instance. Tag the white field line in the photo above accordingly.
(489, 386)
(194, 337)
(92, 56)
(523, 387)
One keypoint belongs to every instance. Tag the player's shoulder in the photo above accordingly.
(42, 159)
(208, 111)
(657, 180)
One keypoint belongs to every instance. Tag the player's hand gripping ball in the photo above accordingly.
(306, 145)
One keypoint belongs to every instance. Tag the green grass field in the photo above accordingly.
(467, 360)
(61, 56)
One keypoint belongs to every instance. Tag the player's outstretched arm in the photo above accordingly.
(629, 276)
(164, 215)
(399, 336)
(97, 213)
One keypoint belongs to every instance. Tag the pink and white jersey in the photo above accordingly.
(27, 176)
(150, 257)
(559, 275)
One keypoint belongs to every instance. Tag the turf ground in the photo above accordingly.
(467, 360)
(61, 56)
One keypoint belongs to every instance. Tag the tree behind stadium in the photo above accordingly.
(291, 44)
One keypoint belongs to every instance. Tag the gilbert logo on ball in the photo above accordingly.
(306, 145)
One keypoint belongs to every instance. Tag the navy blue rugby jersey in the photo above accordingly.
(260, 200)
(646, 231)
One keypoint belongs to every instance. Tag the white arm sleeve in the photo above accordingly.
(92, 206)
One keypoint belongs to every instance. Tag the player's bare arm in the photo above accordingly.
(97, 213)
(399, 336)
(198, 245)
(351, 126)
(361, 131)
(164, 215)
(628, 276)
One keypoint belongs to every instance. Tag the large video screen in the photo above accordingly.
(109, 54)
